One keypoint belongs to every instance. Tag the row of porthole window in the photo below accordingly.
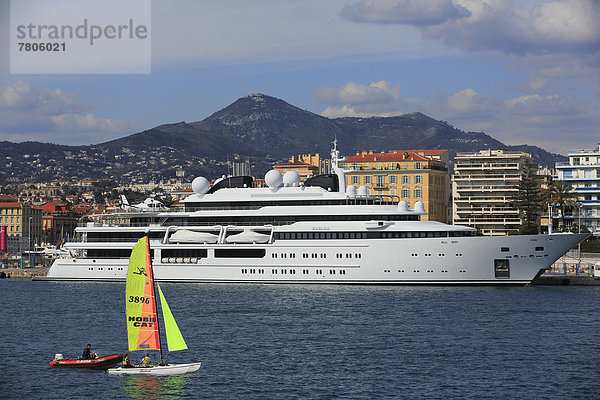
(293, 271)
(348, 255)
(102, 269)
(507, 249)
(284, 271)
(439, 255)
(315, 255)
(283, 255)
(341, 272)
(252, 271)
(418, 270)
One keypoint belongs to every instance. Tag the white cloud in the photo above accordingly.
(557, 39)
(554, 122)
(412, 12)
(377, 98)
(491, 24)
(352, 111)
(89, 123)
(36, 113)
(380, 92)
(23, 96)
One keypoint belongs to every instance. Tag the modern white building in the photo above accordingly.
(483, 185)
(582, 173)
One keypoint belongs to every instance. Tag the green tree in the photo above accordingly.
(559, 194)
(528, 199)
(98, 197)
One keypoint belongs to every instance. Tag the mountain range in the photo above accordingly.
(258, 128)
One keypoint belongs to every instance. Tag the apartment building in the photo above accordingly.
(409, 175)
(22, 220)
(582, 173)
(303, 169)
(483, 185)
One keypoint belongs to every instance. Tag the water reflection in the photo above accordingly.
(152, 387)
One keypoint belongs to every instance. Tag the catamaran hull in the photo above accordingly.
(417, 261)
(171, 369)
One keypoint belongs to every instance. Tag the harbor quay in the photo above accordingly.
(571, 270)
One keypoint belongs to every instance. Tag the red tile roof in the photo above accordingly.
(295, 164)
(407, 155)
(12, 204)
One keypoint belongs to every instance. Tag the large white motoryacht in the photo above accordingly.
(316, 232)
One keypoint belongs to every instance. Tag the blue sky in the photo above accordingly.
(521, 71)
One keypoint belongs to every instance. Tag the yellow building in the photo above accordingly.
(410, 175)
(323, 165)
(22, 219)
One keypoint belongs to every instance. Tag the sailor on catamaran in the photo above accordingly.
(146, 360)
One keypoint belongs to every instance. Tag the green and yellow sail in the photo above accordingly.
(174, 338)
(142, 322)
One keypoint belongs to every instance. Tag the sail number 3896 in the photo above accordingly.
(138, 299)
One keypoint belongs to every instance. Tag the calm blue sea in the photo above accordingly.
(314, 342)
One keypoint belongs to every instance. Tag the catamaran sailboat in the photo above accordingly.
(142, 318)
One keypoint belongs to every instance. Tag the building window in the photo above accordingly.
(367, 179)
(355, 180)
(393, 179)
(392, 191)
(418, 193)
(380, 180)
(405, 193)
(418, 179)
(405, 180)
(418, 165)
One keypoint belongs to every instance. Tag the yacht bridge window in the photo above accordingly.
(368, 235)
(240, 253)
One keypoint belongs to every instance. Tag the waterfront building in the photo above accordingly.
(22, 220)
(483, 185)
(323, 164)
(58, 222)
(411, 175)
(181, 194)
(303, 169)
(582, 173)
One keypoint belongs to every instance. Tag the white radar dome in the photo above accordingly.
(362, 191)
(419, 207)
(351, 190)
(403, 206)
(291, 178)
(274, 179)
(200, 185)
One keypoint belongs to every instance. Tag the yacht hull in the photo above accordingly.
(478, 260)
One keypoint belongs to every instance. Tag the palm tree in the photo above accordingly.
(559, 194)
(167, 201)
